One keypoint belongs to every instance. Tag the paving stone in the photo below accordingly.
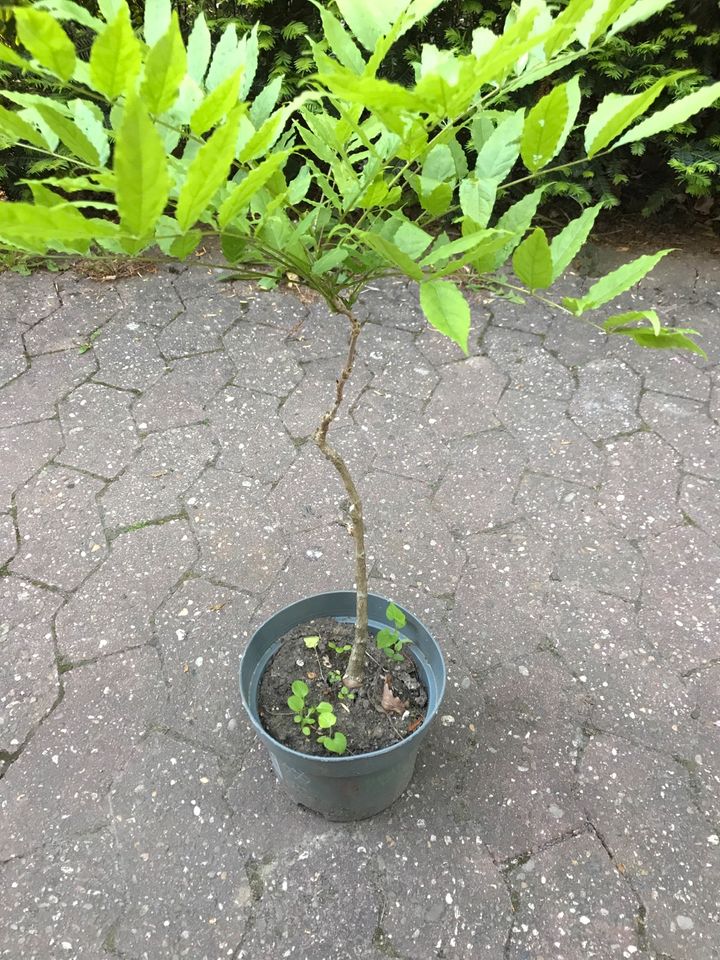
(715, 399)
(641, 805)
(183, 899)
(397, 365)
(113, 608)
(182, 395)
(518, 781)
(392, 302)
(529, 317)
(81, 297)
(252, 438)
(550, 440)
(585, 548)
(128, 355)
(700, 499)
(13, 361)
(634, 693)
(302, 411)
(395, 434)
(679, 608)
(407, 537)
(688, 429)
(573, 902)
(323, 334)
(530, 368)
(68, 328)
(202, 630)
(61, 536)
(62, 901)
(281, 307)
(241, 543)
(28, 302)
(200, 327)
(8, 541)
(704, 317)
(59, 785)
(28, 676)
(151, 298)
(667, 372)
(150, 488)
(705, 764)
(439, 349)
(197, 281)
(606, 402)
(33, 395)
(466, 400)
(459, 905)
(487, 625)
(574, 342)
(266, 357)
(480, 482)
(23, 450)
(639, 489)
(99, 431)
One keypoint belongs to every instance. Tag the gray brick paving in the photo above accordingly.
(549, 507)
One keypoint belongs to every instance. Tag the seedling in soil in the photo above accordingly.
(335, 744)
(311, 642)
(322, 715)
(390, 640)
(346, 694)
(345, 648)
(334, 676)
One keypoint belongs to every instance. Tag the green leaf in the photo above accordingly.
(335, 744)
(532, 261)
(217, 104)
(9, 56)
(548, 125)
(632, 316)
(157, 22)
(668, 338)
(447, 310)
(164, 70)
(385, 638)
(370, 21)
(516, 220)
(208, 172)
(225, 59)
(31, 226)
(264, 103)
(620, 280)
(411, 239)
(300, 688)
(326, 720)
(330, 260)
(311, 643)
(676, 113)
(396, 615)
(68, 10)
(140, 166)
(497, 155)
(45, 39)
(439, 164)
(115, 57)
(91, 121)
(13, 128)
(183, 245)
(73, 138)
(477, 199)
(462, 245)
(568, 243)
(393, 254)
(340, 42)
(616, 112)
(639, 12)
(296, 703)
(324, 707)
(255, 180)
(198, 49)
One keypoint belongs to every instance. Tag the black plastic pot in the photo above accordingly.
(342, 788)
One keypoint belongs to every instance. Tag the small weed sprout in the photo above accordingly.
(311, 642)
(323, 715)
(305, 716)
(390, 640)
(335, 744)
(334, 676)
(345, 648)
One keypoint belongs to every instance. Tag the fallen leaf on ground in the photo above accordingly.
(390, 703)
(414, 725)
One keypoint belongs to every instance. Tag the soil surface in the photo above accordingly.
(363, 720)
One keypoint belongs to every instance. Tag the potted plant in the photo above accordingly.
(355, 179)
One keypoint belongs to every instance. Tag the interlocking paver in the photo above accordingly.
(59, 785)
(565, 804)
(113, 608)
(61, 536)
(98, 429)
(28, 675)
(642, 806)
(150, 488)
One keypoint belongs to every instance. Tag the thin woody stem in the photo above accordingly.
(355, 672)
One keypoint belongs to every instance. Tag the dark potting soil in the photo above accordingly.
(363, 720)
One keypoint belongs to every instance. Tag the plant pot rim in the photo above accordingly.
(415, 736)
